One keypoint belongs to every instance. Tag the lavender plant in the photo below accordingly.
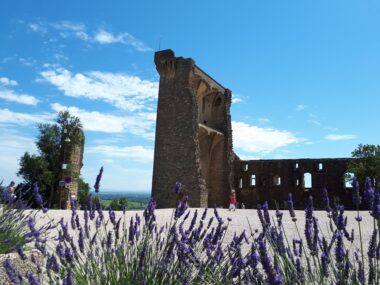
(106, 248)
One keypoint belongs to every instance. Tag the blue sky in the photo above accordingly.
(304, 76)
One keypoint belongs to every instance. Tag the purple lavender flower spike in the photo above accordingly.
(178, 187)
(52, 264)
(339, 248)
(204, 214)
(33, 280)
(369, 194)
(69, 279)
(98, 178)
(326, 200)
(181, 208)
(109, 240)
(372, 245)
(309, 208)
(356, 198)
(81, 240)
(291, 207)
(375, 210)
(11, 273)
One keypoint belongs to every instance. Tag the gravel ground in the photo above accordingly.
(240, 220)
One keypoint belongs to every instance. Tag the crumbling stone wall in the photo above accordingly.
(258, 181)
(75, 164)
(193, 135)
(194, 146)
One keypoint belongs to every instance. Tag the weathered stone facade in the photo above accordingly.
(193, 134)
(194, 146)
(258, 181)
(75, 164)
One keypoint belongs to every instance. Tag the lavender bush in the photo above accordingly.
(13, 219)
(102, 248)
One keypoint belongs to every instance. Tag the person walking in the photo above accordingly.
(232, 201)
(11, 190)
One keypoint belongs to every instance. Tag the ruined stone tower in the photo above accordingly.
(75, 163)
(193, 135)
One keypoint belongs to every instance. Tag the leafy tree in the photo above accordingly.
(123, 203)
(55, 144)
(83, 191)
(118, 205)
(34, 168)
(367, 162)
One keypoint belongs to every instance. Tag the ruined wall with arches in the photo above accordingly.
(193, 135)
(193, 145)
(257, 181)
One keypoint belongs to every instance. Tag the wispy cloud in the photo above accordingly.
(121, 90)
(4, 81)
(10, 95)
(300, 107)
(337, 137)
(105, 37)
(263, 120)
(138, 153)
(260, 140)
(236, 98)
(315, 122)
(140, 124)
(69, 29)
(9, 117)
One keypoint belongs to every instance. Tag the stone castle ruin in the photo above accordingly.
(66, 191)
(194, 146)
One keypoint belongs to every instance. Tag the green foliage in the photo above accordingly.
(118, 205)
(12, 227)
(83, 191)
(34, 168)
(367, 162)
(55, 144)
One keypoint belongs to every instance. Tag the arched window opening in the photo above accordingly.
(320, 166)
(297, 182)
(218, 102)
(253, 180)
(277, 180)
(348, 176)
(245, 167)
(307, 180)
(296, 165)
(240, 183)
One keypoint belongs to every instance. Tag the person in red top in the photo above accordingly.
(232, 201)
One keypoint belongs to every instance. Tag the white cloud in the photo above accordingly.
(10, 95)
(300, 107)
(137, 153)
(141, 124)
(122, 90)
(27, 61)
(263, 120)
(7, 82)
(236, 98)
(67, 29)
(260, 140)
(336, 137)
(10, 117)
(104, 37)
(315, 122)
(38, 28)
